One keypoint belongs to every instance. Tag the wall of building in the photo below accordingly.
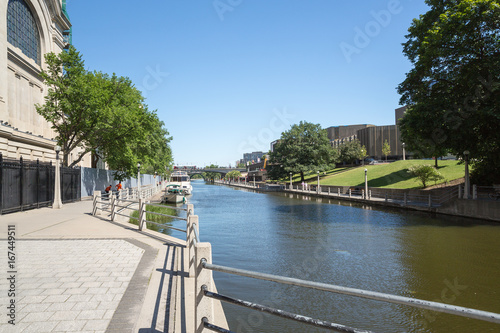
(24, 133)
(374, 137)
(99, 179)
(341, 132)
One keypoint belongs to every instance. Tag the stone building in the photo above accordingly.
(28, 30)
(371, 136)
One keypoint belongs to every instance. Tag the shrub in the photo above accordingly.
(425, 173)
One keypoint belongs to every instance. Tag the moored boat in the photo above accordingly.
(174, 194)
(182, 179)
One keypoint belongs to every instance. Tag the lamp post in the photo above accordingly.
(317, 188)
(366, 183)
(291, 185)
(404, 157)
(467, 184)
(57, 187)
(139, 180)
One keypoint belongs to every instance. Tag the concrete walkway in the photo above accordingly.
(73, 272)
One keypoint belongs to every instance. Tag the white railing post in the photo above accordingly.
(405, 199)
(460, 191)
(338, 191)
(97, 206)
(328, 190)
(363, 194)
(474, 192)
(204, 305)
(349, 193)
(385, 196)
(142, 214)
(191, 240)
(369, 194)
(112, 205)
(430, 200)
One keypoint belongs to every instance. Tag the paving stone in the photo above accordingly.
(95, 325)
(56, 299)
(91, 314)
(37, 316)
(65, 315)
(62, 306)
(70, 326)
(40, 326)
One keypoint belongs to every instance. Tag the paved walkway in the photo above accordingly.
(73, 272)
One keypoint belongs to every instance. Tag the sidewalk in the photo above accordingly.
(74, 272)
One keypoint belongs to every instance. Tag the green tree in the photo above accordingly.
(101, 114)
(425, 173)
(305, 147)
(350, 151)
(386, 149)
(453, 89)
(235, 174)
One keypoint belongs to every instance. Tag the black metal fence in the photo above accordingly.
(30, 184)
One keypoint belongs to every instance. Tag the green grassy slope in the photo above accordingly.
(392, 175)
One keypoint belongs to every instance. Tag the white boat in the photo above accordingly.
(174, 194)
(182, 179)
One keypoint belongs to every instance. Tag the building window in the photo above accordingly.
(22, 30)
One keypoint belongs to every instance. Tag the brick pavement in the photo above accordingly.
(79, 273)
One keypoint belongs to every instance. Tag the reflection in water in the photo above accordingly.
(410, 254)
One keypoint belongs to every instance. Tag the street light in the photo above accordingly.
(466, 185)
(291, 186)
(317, 188)
(57, 187)
(366, 183)
(139, 179)
(404, 157)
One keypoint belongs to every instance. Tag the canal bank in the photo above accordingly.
(438, 201)
(384, 250)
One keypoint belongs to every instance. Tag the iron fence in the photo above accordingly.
(30, 184)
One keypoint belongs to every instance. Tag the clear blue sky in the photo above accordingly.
(228, 76)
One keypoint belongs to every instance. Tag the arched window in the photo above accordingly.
(22, 30)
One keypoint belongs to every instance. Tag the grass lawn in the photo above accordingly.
(314, 176)
(392, 175)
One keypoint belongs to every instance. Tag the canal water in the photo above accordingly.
(438, 258)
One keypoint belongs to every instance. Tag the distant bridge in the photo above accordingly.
(222, 171)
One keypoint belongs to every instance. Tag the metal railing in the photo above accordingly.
(406, 198)
(201, 267)
(123, 202)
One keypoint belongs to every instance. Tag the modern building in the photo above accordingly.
(31, 29)
(253, 157)
(371, 136)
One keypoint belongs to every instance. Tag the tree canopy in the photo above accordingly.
(102, 114)
(304, 148)
(453, 89)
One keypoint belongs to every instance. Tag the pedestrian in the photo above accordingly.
(107, 190)
(119, 186)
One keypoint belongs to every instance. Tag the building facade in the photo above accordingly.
(28, 30)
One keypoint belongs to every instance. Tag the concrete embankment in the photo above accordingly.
(478, 209)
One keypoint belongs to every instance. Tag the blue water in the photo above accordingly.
(393, 251)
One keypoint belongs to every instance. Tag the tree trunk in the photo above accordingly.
(302, 176)
(436, 162)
